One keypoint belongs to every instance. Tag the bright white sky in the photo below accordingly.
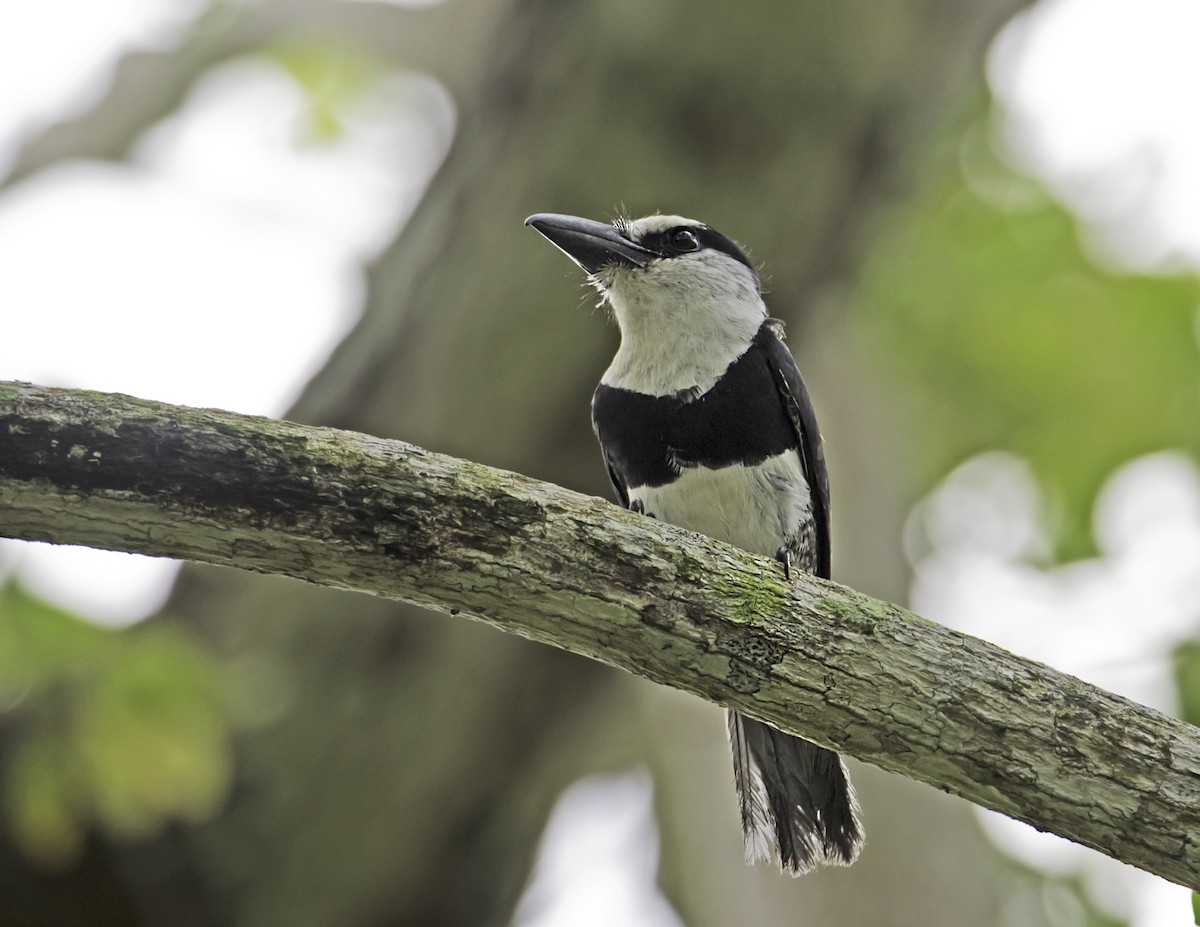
(218, 269)
(222, 264)
(1102, 99)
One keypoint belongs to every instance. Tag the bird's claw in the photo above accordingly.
(784, 555)
(639, 507)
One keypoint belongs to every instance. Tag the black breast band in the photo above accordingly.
(740, 420)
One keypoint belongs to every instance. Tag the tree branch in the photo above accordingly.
(861, 676)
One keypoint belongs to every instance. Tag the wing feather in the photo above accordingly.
(800, 413)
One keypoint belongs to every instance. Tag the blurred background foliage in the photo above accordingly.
(981, 299)
(117, 730)
(264, 753)
(332, 76)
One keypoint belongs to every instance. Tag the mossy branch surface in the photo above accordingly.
(856, 674)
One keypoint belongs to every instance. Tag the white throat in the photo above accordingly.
(680, 331)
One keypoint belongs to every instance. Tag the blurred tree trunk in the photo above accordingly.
(401, 769)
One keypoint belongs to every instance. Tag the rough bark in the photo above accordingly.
(865, 677)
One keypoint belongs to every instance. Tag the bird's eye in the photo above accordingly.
(684, 240)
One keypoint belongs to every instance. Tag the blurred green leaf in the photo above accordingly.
(118, 729)
(981, 299)
(332, 76)
(1187, 680)
(1196, 908)
(39, 643)
(41, 801)
(152, 736)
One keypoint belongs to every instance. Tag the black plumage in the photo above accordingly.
(759, 408)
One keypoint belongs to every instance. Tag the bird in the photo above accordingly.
(704, 422)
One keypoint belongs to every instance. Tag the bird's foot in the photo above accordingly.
(638, 506)
(785, 556)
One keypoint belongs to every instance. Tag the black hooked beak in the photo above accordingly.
(591, 245)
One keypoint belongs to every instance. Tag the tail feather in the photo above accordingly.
(797, 805)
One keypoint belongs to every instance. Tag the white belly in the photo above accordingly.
(754, 508)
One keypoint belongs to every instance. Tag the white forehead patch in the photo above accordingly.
(637, 229)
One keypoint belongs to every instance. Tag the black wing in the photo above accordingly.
(799, 410)
(617, 480)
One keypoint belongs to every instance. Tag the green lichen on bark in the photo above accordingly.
(752, 596)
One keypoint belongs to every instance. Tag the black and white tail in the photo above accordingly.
(797, 804)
